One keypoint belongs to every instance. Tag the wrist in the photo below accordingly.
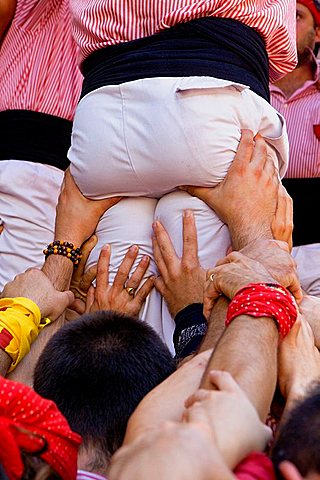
(59, 270)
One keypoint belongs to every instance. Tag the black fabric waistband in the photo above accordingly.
(210, 46)
(305, 196)
(35, 137)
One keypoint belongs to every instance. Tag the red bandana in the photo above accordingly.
(265, 300)
(29, 422)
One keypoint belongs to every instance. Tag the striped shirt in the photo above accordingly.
(38, 60)
(99, 23)
(302, 113)
(84, 475)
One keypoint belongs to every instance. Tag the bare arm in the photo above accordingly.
(7, 9)
(72, 208)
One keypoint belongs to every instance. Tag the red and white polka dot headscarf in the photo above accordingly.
(31, 423)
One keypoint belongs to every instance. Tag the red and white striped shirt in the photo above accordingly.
(99, 23)
(302, 114)
(38, 60)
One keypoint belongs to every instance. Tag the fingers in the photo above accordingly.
(86, 249)
(166, 249)
(199, 396)
(64, 300)
(88, 278)
(282, 224)
(135, 279)
(125, 267)
(90, 298)
(224, 381)
(102, 278)
(190, 240)
(160, 285)
(259, 154)
(196, 413)
(203, 193)
(144, 291)
(245, 149)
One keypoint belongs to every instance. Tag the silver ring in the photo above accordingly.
(212, 277)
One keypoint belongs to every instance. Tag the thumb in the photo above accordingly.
(200, 192)
(66, 299)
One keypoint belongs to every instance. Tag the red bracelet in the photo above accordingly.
(265, 300)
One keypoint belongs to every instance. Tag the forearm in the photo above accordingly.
(166, 401)
(248, 350)
(243, 234)
(216, 324)
(59, 270)
(24, 371)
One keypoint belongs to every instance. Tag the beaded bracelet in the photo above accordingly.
(265, 300)
(66, 249)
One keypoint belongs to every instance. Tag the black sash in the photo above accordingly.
(35, 137)
(210, 46)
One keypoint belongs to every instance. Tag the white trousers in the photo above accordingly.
(28, 197)
(145, 138)
(308, 264)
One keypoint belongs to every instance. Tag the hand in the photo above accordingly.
(298, 361)
(82, 280)
(174, 450)
(181, 280)
(116, 297)
(310, 310)
(275, 257)
(232, 273)
(36, 286)
(234, 421)
(282, 223)
(77, 216)
(246, 199)
(165, 401)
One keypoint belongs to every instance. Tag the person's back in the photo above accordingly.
(97, 369)
(40, 86)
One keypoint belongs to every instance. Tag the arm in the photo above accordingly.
(181, 283)
(7, 9)
(248, 347)
(179, 451)
(166, 401)
(246, 199)
(71, 209)
(234, 421)
(299, 363)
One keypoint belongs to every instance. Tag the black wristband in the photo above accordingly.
(191, 327)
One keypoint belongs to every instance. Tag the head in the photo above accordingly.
(296, 451)
(308, 28)
(97, 369)
(35, 439)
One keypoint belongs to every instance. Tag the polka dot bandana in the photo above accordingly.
(31, 423)
(265, 300)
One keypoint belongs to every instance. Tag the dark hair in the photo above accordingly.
(37, 469)
(298, 439)
(97, 369)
